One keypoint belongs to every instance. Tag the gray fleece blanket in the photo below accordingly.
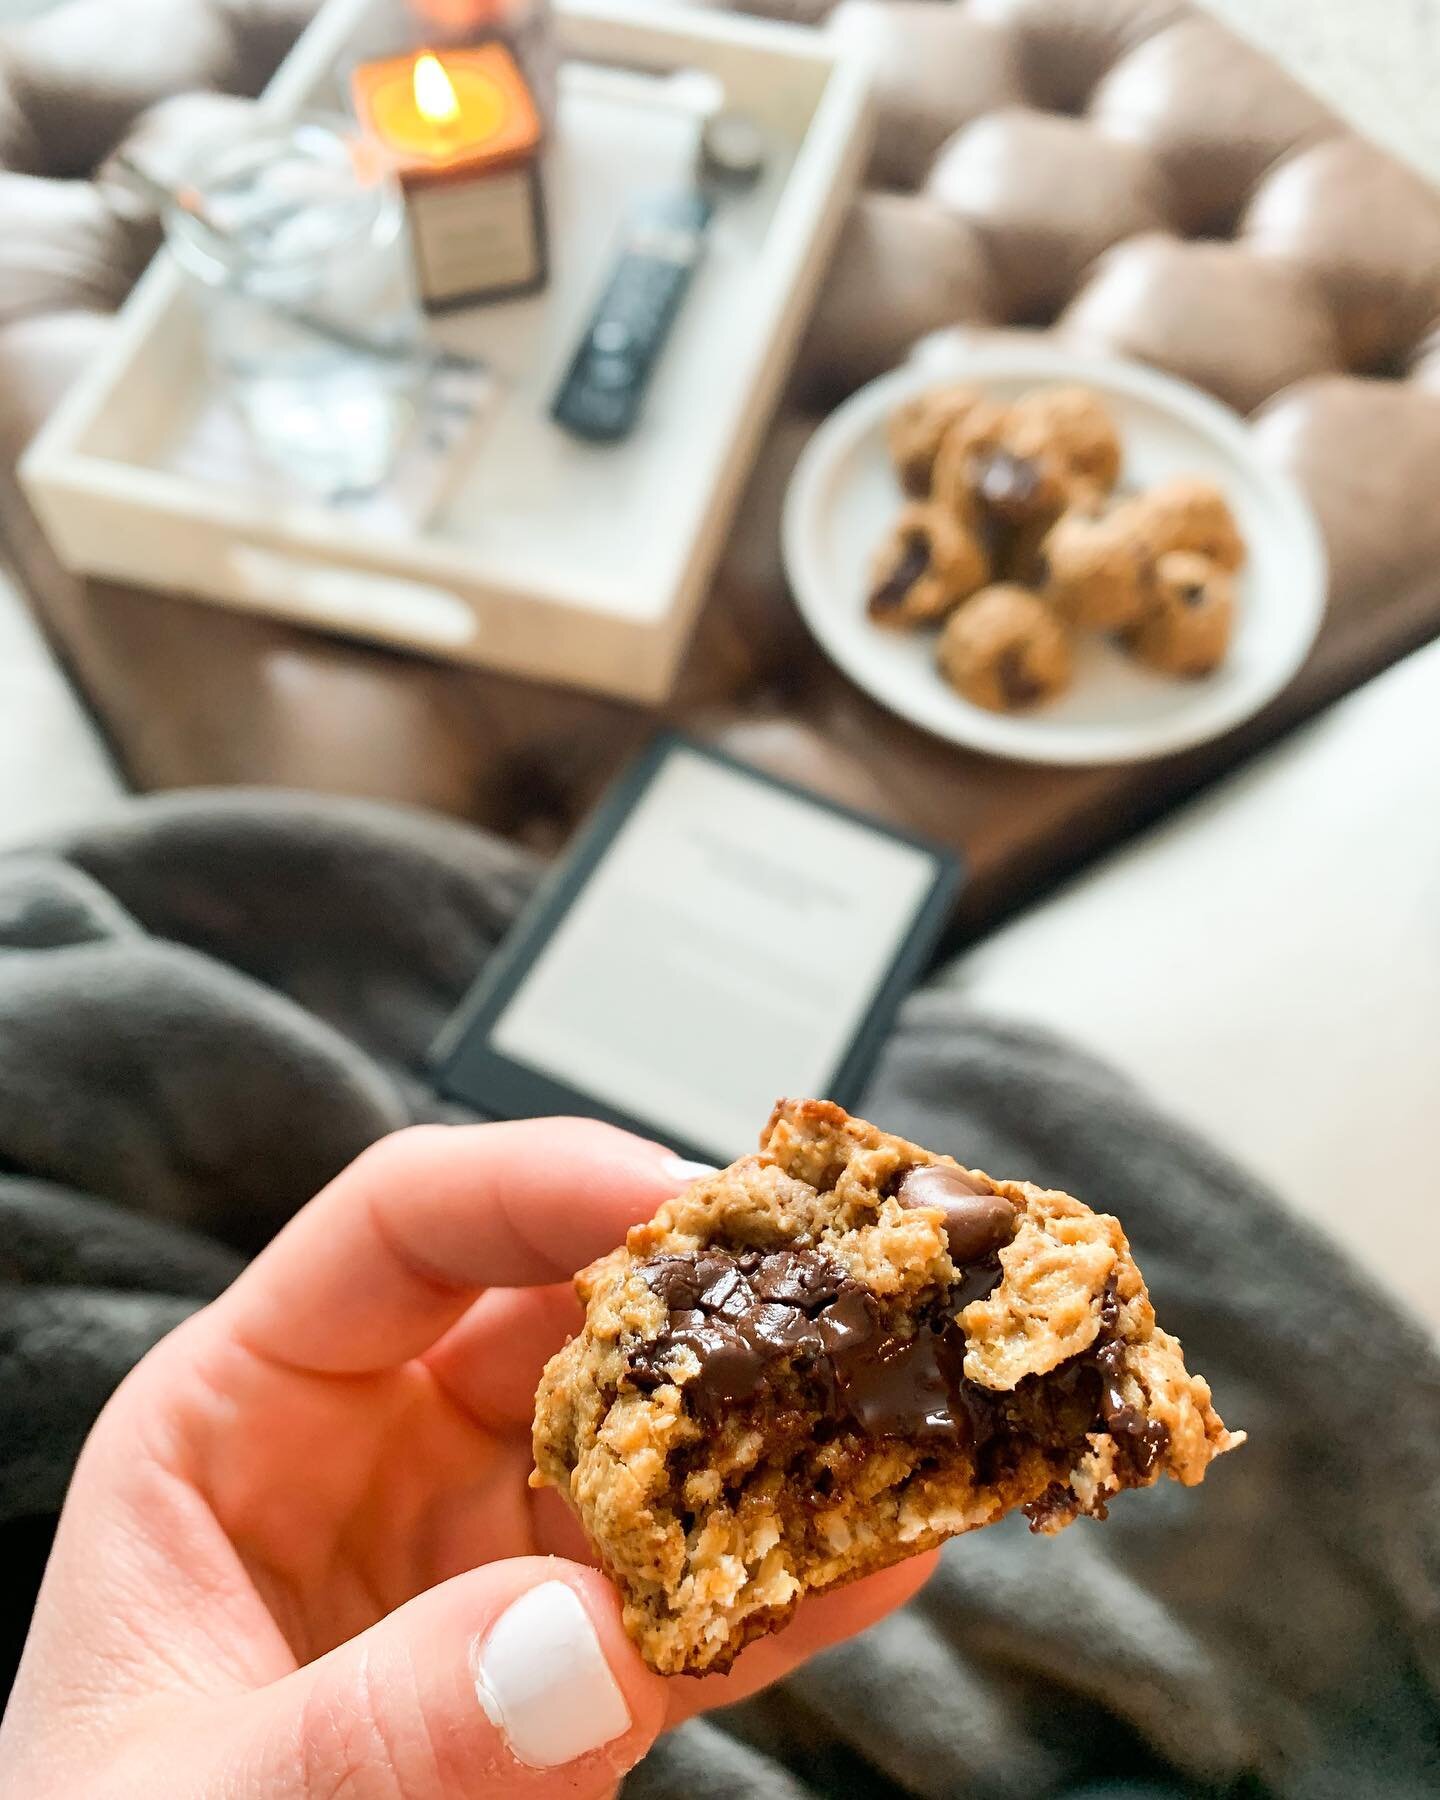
(208, 1004)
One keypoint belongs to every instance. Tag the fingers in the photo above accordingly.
(824, 1620)
(490, 1363)
(392, 1253)
(516, 1679)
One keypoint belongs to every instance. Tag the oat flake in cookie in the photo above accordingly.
(836, 1354)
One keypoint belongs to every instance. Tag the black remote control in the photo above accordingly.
(600, 396)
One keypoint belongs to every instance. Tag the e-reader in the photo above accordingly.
(716, 938)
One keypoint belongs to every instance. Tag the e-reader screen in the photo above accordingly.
(717, 939)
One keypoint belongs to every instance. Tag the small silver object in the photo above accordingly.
(733, 151)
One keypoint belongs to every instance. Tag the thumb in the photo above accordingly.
(514, 1679)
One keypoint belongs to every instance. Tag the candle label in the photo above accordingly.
(473, 237)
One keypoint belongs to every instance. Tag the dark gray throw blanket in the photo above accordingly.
(208, 1004)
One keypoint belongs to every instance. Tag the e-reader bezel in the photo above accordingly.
(468, 1067)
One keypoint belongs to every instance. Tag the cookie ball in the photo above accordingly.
(1005, 650)
(1094, 570)
(1074, 424)
(1187, 514)
(925, 567)
(916, 428)
(1189, 617)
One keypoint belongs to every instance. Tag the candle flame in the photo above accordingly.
(434, 92)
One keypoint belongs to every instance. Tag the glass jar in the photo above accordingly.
(309, 319)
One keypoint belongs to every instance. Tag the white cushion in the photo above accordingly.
(54, 770)
(1267, 964)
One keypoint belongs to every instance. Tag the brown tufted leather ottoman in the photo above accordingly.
(1124, 172)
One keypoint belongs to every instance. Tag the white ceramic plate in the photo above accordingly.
(844, 494)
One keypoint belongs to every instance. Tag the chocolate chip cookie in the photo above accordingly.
(1005, 650)
(1095, 569)
(927, 564)
(1074, 424)
(916, 428)
(1186, 513)
(1189, 617)
(838, 1353)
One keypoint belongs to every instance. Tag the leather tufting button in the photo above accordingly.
(1029, 204)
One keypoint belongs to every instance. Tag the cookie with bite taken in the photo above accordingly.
(836, 1354)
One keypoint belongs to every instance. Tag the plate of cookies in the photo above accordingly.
(1051, 556)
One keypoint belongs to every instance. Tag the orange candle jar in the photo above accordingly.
(462, 131)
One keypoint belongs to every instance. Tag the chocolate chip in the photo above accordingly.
(849, 1321)
(675, 1279)
(805, 1278)
(728, 1293)
(914, 561)
(901, 1390)
(1193, 593)
(978, 1221)
(1018, 687)
(781, 1328)
(1144, 1438)
(977, 1282)
(740, 1313)
(730, 1366)
(1147, 1439)
(1008, 485)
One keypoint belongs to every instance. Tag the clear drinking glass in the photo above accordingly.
(310, 319)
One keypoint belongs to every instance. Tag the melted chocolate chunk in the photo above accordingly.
(911, 1389)
(978, 1221)
(1008, 485)
(1146, 1439)
(781, 1329)
(804, 1278)
(977, 1282)
(914, 561)
(850, 1323)
(730, 1365)
(1018, 686)
(739, 1313)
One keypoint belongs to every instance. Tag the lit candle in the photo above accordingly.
(462, 131)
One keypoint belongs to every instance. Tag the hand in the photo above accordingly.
(299, 1559)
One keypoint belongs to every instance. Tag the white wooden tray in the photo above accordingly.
(550, 558)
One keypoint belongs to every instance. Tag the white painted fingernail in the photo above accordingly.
(544, 1682)
(678, 1169)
